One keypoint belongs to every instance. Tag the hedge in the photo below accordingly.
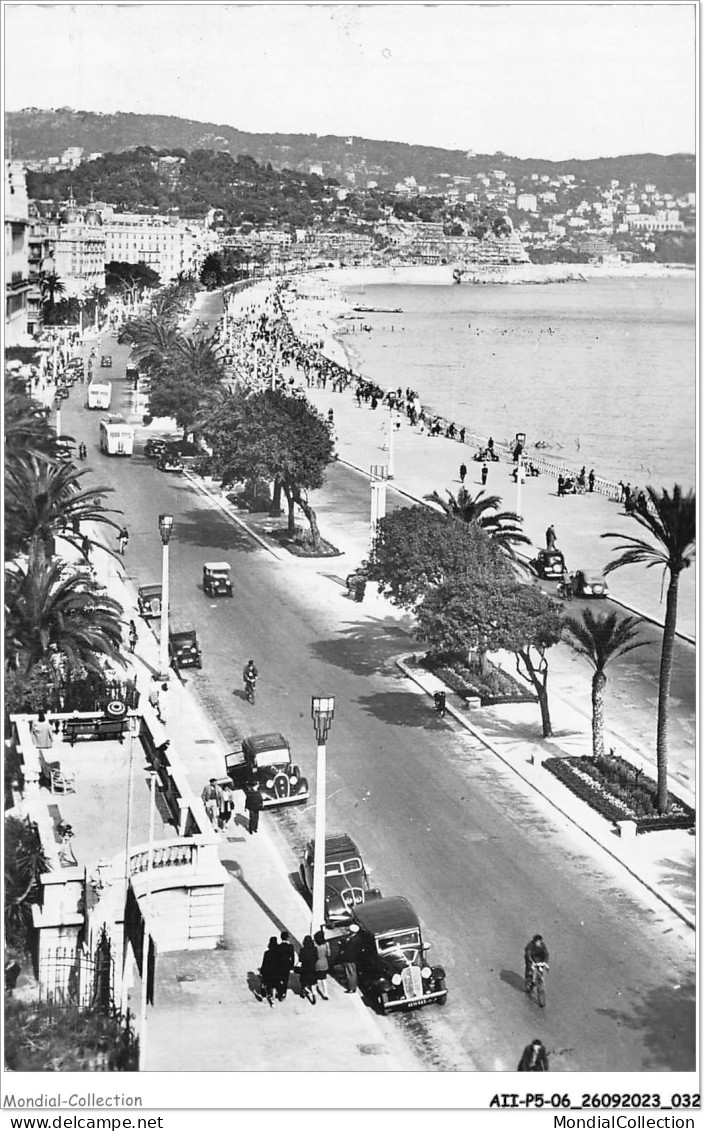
(616, 790)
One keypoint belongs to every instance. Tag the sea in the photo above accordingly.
(600, 373)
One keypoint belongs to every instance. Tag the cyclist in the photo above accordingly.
(250, 675)
(123, 538)
(534, 1058)
(535, 951)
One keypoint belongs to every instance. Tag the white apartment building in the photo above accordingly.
(79, 249)
(527, 202)
(664, 220)
(167, 245)
(17, 282)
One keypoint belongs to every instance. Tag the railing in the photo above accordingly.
(174, 855)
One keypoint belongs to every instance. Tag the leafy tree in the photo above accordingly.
(211, 273)
(271, 435)
(492, 614)
(601, 639)
(25, 861)
(48, 603)
(45, 500)
(503, 527)
(416, 548)
(670, 522)
(129, 278)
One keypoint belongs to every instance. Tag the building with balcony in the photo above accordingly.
(17, 281)
(79, 249)
(168, 245)
(41, 262)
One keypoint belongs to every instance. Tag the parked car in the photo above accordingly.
(149, 601)
(588, 583)
(346, 880)
(216, 579)
(548, 564)
(394, 972)
(154, 448)
(266, 760)
(169, 462)
(106, 361)
(184, 651)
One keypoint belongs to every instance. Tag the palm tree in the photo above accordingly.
(671, 520)
(503, 527)
(48, 603)
(44, 500)
(50, 285)
(27, 428)
(153, 340)
(600, 639)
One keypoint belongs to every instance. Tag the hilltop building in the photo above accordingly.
(17, 282)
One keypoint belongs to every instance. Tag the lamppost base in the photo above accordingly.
(164, 677)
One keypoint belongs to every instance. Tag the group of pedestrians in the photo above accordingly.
(279, 962)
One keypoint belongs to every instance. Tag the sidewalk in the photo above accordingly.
(207, 1016)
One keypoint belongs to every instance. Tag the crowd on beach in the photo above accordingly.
(261, 346)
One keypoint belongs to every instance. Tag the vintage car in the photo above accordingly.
(184, 651)
(216, 579)
(154, 448)
(346, 880)
(149, 601)
(266, 760)
(393, 968)
(167, 461)
(548, 564)
(588, 583)
(106, 361)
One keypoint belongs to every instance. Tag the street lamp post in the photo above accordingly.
(377, 476)
(57, 405)
(322, 711)
(166, 523)
(520, 441)
(390, 472)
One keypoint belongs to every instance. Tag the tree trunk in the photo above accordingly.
(275, 508)
(598, 691)
(666, 658)
(538, 676)
(291, 511)
(310, 515)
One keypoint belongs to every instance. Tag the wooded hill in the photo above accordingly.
(37, 134)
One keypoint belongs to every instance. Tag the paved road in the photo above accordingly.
(481, 859)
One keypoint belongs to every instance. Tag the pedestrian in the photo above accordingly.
(41, 732)
(322, 963)
(123, 538)
(490, 445)
(227, 805)
(461, 435)
(534, 1058)
(163, 698)
(463, 472)
(155, 700)
(212, 799)
(485, 474)
(287, 962)
(253, 804)
(269, 970)
(550, 537)
(86, 547)
(590, 480)
(132, 636)
(560, 486)
(331, 416)
(360, 588)
(351, 950)
(307, 973)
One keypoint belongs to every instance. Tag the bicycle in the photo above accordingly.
(536, 982)
(249, 685)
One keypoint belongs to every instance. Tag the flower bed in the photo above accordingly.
(619, 792)
(492, 687)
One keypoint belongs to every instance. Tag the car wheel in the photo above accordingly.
(199, 665)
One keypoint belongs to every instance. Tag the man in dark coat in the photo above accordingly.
(253, 804)
(534, 1058)
(287, 956)
(351, 950)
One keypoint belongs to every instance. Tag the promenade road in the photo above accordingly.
(474, 848)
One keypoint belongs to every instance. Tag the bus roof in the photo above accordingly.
(114, 418)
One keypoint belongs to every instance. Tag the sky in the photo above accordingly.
(554, 80)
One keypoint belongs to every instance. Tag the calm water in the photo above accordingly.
(603, 372)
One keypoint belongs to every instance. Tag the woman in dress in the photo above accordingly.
(322, 963)
(307, 972)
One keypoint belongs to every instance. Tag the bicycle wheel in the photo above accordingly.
(540, 993)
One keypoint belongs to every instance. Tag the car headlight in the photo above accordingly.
(270, 783)
(426, 972)
(294, 780)
(193, 651)
(397, 979)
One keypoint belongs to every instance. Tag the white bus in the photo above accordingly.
(116, 436)
(99, 396)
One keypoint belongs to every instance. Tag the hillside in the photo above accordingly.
(38, 134)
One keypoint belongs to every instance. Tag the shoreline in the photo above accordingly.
(535, 274)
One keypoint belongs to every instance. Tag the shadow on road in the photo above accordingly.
(361, 649)
(401, 708)
(514, 980)
(662, 1015)
(204, 528)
